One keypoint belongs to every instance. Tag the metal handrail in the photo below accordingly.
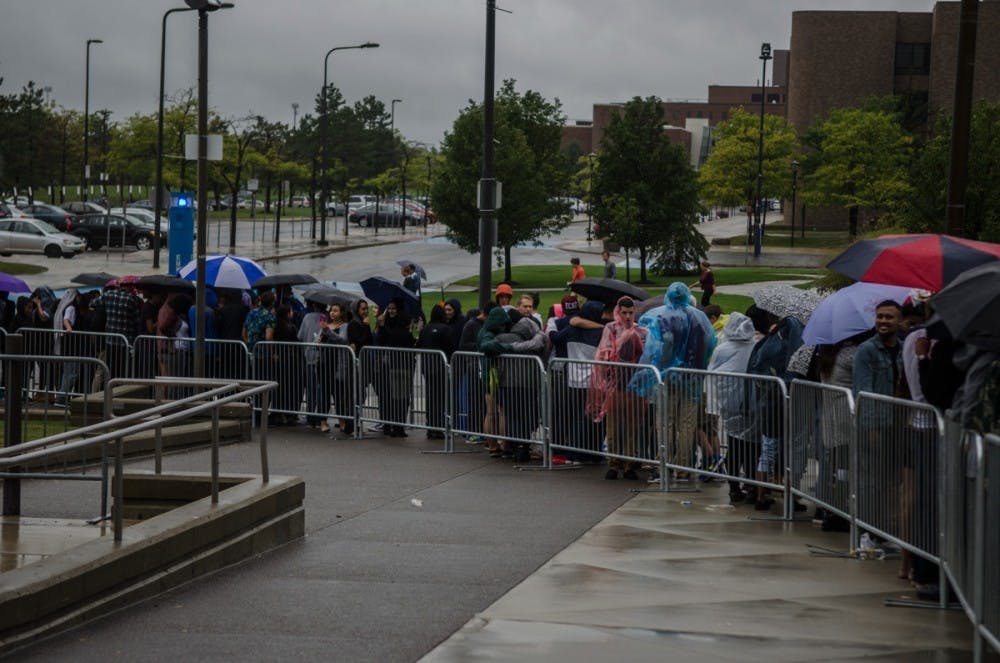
(219, 396)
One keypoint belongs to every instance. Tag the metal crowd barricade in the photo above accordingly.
(729, 426)
(899, 445)
(959, 497)
(161, 356)
(596, 412)
(506, 399)
(989, 551)
(310, 377)
(404, 387)
(821, 434)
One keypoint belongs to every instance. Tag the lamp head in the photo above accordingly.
(95, 41)
(765, 51)
(208, 5)
(369, 44)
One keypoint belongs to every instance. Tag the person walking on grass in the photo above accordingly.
(706, 281)
(577, 272)
(610, 268)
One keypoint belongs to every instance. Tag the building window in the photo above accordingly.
(697, 113)
(755, 98)
(774, 98)
(913, 59)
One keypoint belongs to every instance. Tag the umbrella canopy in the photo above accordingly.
(225, 272)
(10, 283)
(969, 307)
(381, 291)
(420, 270)
(917, 261)
(273, 280)
(327, 294)
(164, 281)
(608, 291)
(93, 278)
(785, 301)
(849, 311)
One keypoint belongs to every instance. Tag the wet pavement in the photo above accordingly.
(663, 580)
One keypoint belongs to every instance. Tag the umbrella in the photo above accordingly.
(283, 279)
(327, 294)
(918, 261)
(225, 272)
(164, 281)
(10, 283)
(607, 290)
(969, 307)
(420, 270)
(381, 291)
(785, 301)
(93, 278)
(849, 311)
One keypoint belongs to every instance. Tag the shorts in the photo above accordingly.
(768, 451)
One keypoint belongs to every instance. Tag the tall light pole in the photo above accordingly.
(392, 148)
(487, 182)
(295, 115)
(392, 115)
(765, 55)
(325, 163)
(158, 203)
(203, 7)
(590, 196)
(86, 119)
(795, 186)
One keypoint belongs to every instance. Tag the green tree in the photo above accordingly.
(925, 209)
(729, 175)
(645, 191)
(859, 159)
(527, 162)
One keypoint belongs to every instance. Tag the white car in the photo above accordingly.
(20, 235)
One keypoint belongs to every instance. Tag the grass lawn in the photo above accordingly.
(535, 277)
(21, 268)
(814, 239)
(36, 429)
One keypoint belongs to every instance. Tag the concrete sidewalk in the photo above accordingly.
(686, 577)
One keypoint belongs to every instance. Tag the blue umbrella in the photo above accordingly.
(225, 272)
(10, 283)
(381, 291)
(849, 311)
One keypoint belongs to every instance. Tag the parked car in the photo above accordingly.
(52, 214)
(336, 207)
(300, 201)
(9, 211)
(387, 216)
(80, 208)
(147, 217)
(21, 235)
(143, 204)
(18, 201)
(360, 200)
(125, 231)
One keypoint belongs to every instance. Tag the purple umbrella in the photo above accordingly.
(10, 283)
(849, 311)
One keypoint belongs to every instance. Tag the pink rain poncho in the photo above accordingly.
(622, 343)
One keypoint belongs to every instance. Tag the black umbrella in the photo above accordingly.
(969, 306)
(272, 280)
(164, 281)
(418, 268)
(327, 294)
(93, 278)
(381, 291)
(607, 291)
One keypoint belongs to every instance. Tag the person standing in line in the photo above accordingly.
(706, 281)
(610, 268)
(577, 272)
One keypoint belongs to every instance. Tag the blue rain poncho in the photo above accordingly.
(680, 336)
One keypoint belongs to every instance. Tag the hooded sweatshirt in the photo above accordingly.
(724, 396)
(621, 342)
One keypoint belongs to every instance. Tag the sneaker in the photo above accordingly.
(611, 474)
(737, 497)
(654, 477)
(763, 505)
(522, 455)
(799, 507)
(630, 475)
(474, 439)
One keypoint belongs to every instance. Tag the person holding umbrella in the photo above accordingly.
(394, 384)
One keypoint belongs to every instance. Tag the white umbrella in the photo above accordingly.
(225, 272)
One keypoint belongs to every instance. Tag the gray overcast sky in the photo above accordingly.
(266, 54)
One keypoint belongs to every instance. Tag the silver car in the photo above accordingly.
(20, 235)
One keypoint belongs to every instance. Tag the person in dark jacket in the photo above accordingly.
(455, 321)
(494, 422)
(394, 379)
(436, 335)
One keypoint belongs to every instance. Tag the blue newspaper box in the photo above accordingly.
(181, 236)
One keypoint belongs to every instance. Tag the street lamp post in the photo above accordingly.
(487, 181)
(324, 190)
(86, 119)
(392, 148)
(203, 7)
(765, 55)
(295, 115)
(158, 202)
(795, 186)
(590, 196)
